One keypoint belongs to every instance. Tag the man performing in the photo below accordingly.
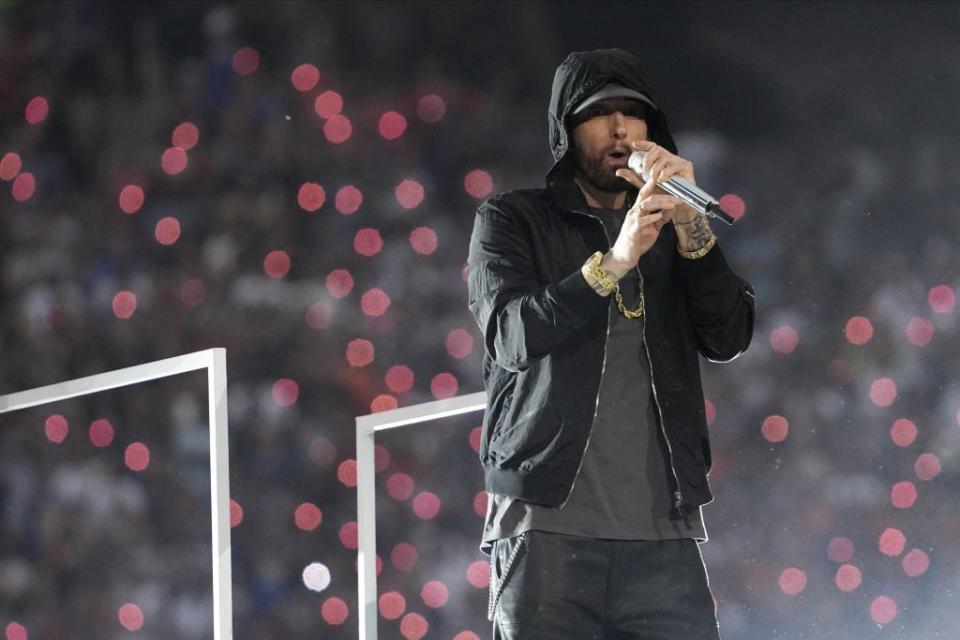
(594, 296)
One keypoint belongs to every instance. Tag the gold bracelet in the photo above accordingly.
(699, 253)
(593, 266)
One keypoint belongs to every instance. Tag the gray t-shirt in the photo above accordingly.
(623, 487)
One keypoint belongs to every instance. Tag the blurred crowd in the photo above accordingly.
(843, 154)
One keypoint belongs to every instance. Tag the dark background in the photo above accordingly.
(834, 122)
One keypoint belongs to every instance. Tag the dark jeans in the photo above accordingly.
(563, 586)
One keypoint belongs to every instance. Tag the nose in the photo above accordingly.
(618, 125)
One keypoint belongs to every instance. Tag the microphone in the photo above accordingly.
(683, 189)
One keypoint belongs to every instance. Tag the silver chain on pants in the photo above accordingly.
(496, 589)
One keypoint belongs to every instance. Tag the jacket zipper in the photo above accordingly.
(603, 367)
(677, 509)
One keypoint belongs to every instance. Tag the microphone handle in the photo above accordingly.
(683, 189)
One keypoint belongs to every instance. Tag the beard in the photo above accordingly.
(592, 169)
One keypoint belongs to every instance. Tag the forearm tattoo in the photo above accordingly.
(698, 233)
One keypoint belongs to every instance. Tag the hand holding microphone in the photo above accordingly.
(675, 185)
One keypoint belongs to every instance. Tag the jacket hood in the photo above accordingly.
(578, 77)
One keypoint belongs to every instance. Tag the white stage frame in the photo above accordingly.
(215, 362)
(367, 426)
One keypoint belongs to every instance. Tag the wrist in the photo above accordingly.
(618, 268)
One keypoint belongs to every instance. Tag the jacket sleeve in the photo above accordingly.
(721, 305)
(521, 318)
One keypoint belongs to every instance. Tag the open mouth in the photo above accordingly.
(618, 157)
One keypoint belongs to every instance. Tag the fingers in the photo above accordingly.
(661, 165)
(657, 202)
(650, 219)
(630, 176)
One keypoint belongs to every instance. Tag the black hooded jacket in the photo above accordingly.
(545, 329)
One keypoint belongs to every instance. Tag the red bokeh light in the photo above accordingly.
(124, 305)
(903, 432)
(919, 332)
(391, 605)
(24, 186)
(848, 578)
(328, 104)
(137, 456)
(285, 392)
(236, 513)
(347, 472)
(339, 283)
(784, 339)
(16, 631)
(941, 299)
(475, 434)
(459, 343)
(883, 610)
(423, 240)
(711, 411)
(409, 193)
(478, 574)
(338, 129)
(891, 542)
(131, 198)
(927, 466)
(903, 495)
(131, 617)
(334, 611)
(193, 292)
(399, 378)
(431, 108)
(319, 315)
(276, 264)
(307, 516)
(311, 196)
(246, 61)
(466, 635)
(56, 428)
(480, 501)
(173, 161)
(859, 330)
(434, 594)
(915, 563)
(733, 204)
(348, 535)
(375, 303)
(391, 125)
(305, 77)
(413, 626)
(792, 581)
(101, 433)
(360, 352)
(840, 549)
(426, 505)
(444, 385)
(10, 166)
(37, 110)
(775, 428)
(883, 392)
(185, 136)
(348, 200)
(367, 242)
(383, 402)
(400, 486)
(478, 183)
(167, 231)
(404, 556)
